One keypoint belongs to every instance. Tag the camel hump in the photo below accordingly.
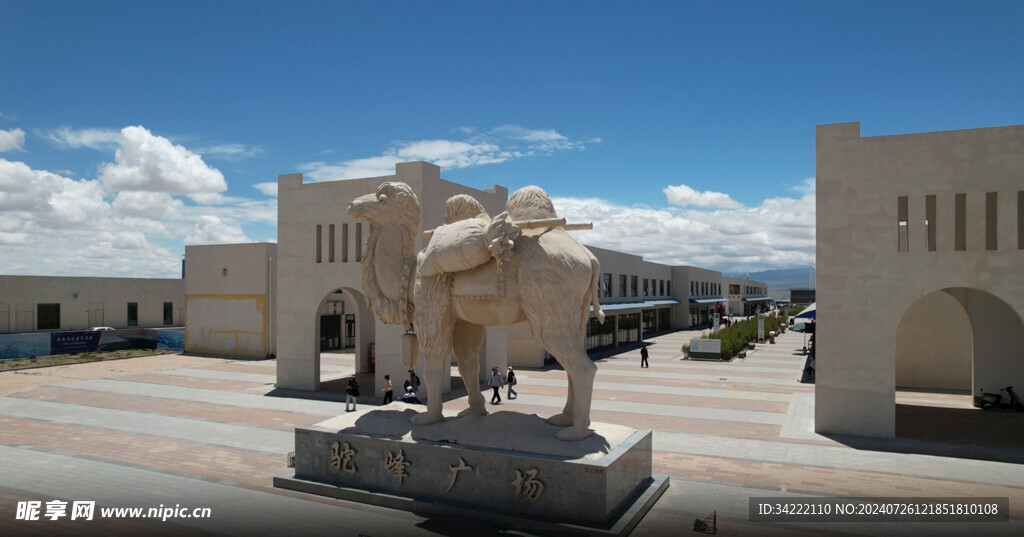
(456, 247)
(530, 203)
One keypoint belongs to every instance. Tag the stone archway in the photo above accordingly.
(934, 345)
(950, 344)
(343, 303)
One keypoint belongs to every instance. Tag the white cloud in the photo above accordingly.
(270, 188)
(12, 140)
(54, 225)
(147, 204)
(500, 144)
(153, 164)
(544, 140)
(100, 139)
(779, 233)
(807, 186)
(212, 230)
(231, 151)
(684, 196)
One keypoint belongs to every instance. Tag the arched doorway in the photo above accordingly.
(344, 334)
(950, 345)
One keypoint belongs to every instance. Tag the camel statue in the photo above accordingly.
(477, 272)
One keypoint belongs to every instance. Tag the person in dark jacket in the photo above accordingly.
(496, 383)
(351, 393)
(510, 378)
(643, 356)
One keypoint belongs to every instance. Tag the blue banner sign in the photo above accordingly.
(74, 342)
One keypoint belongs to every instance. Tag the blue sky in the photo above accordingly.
(683, 130)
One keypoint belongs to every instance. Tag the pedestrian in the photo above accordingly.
(510, 378)
(388, 390)
(413, 381)
(495, 383)
(643, 356)
(410, 397)
(352, 392)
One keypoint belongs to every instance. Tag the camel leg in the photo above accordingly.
(565, 418)
(580, 371)
(436, 362)
(434, 325)
(468, 338)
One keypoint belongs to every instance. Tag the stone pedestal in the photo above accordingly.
(506, 468)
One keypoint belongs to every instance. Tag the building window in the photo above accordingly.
(1020, 219)
(647, 288)
(168, 313)
(633, 285)
(606, 284)
(359, 242)
(668, 288)
(319, 242)
(929, 222)
(48, 317)
(622, 285)
(991, 221)
(903, 244)
(330, 243)
(960, 222)
(133, 314)
(344, 243)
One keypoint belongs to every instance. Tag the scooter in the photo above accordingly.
(995, 400)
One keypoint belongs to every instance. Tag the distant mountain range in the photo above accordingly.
(780, 281)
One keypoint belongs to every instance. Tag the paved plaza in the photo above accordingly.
(193, 432)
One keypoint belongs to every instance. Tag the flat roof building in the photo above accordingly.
(920, 244)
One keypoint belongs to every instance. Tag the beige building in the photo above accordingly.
(920, 244)
(702, 290)
(229, 299)
(746, 296)
(60, 303)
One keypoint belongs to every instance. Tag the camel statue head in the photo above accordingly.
(389, 257)
(393, 203)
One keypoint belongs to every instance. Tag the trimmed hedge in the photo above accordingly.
(735, 337)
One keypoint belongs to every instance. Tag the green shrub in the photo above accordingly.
(736, 336)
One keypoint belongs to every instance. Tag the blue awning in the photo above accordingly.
(707, 300)
(757, 299)
(647, 304)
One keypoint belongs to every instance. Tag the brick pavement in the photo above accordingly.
(724, 432)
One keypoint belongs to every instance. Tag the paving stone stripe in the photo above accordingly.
(704, 368)
(644, 421)
(255, 378)
(244, 400)
(166, 455)
(739, 376)
(526, 381)
(842, 457)
(736, 372)
(271, 419)
(732, 506)
(65, 527)
(234, 510)
(824, 481)
(723, 400)
(195, 382)
(653, 409)
(193, 430)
